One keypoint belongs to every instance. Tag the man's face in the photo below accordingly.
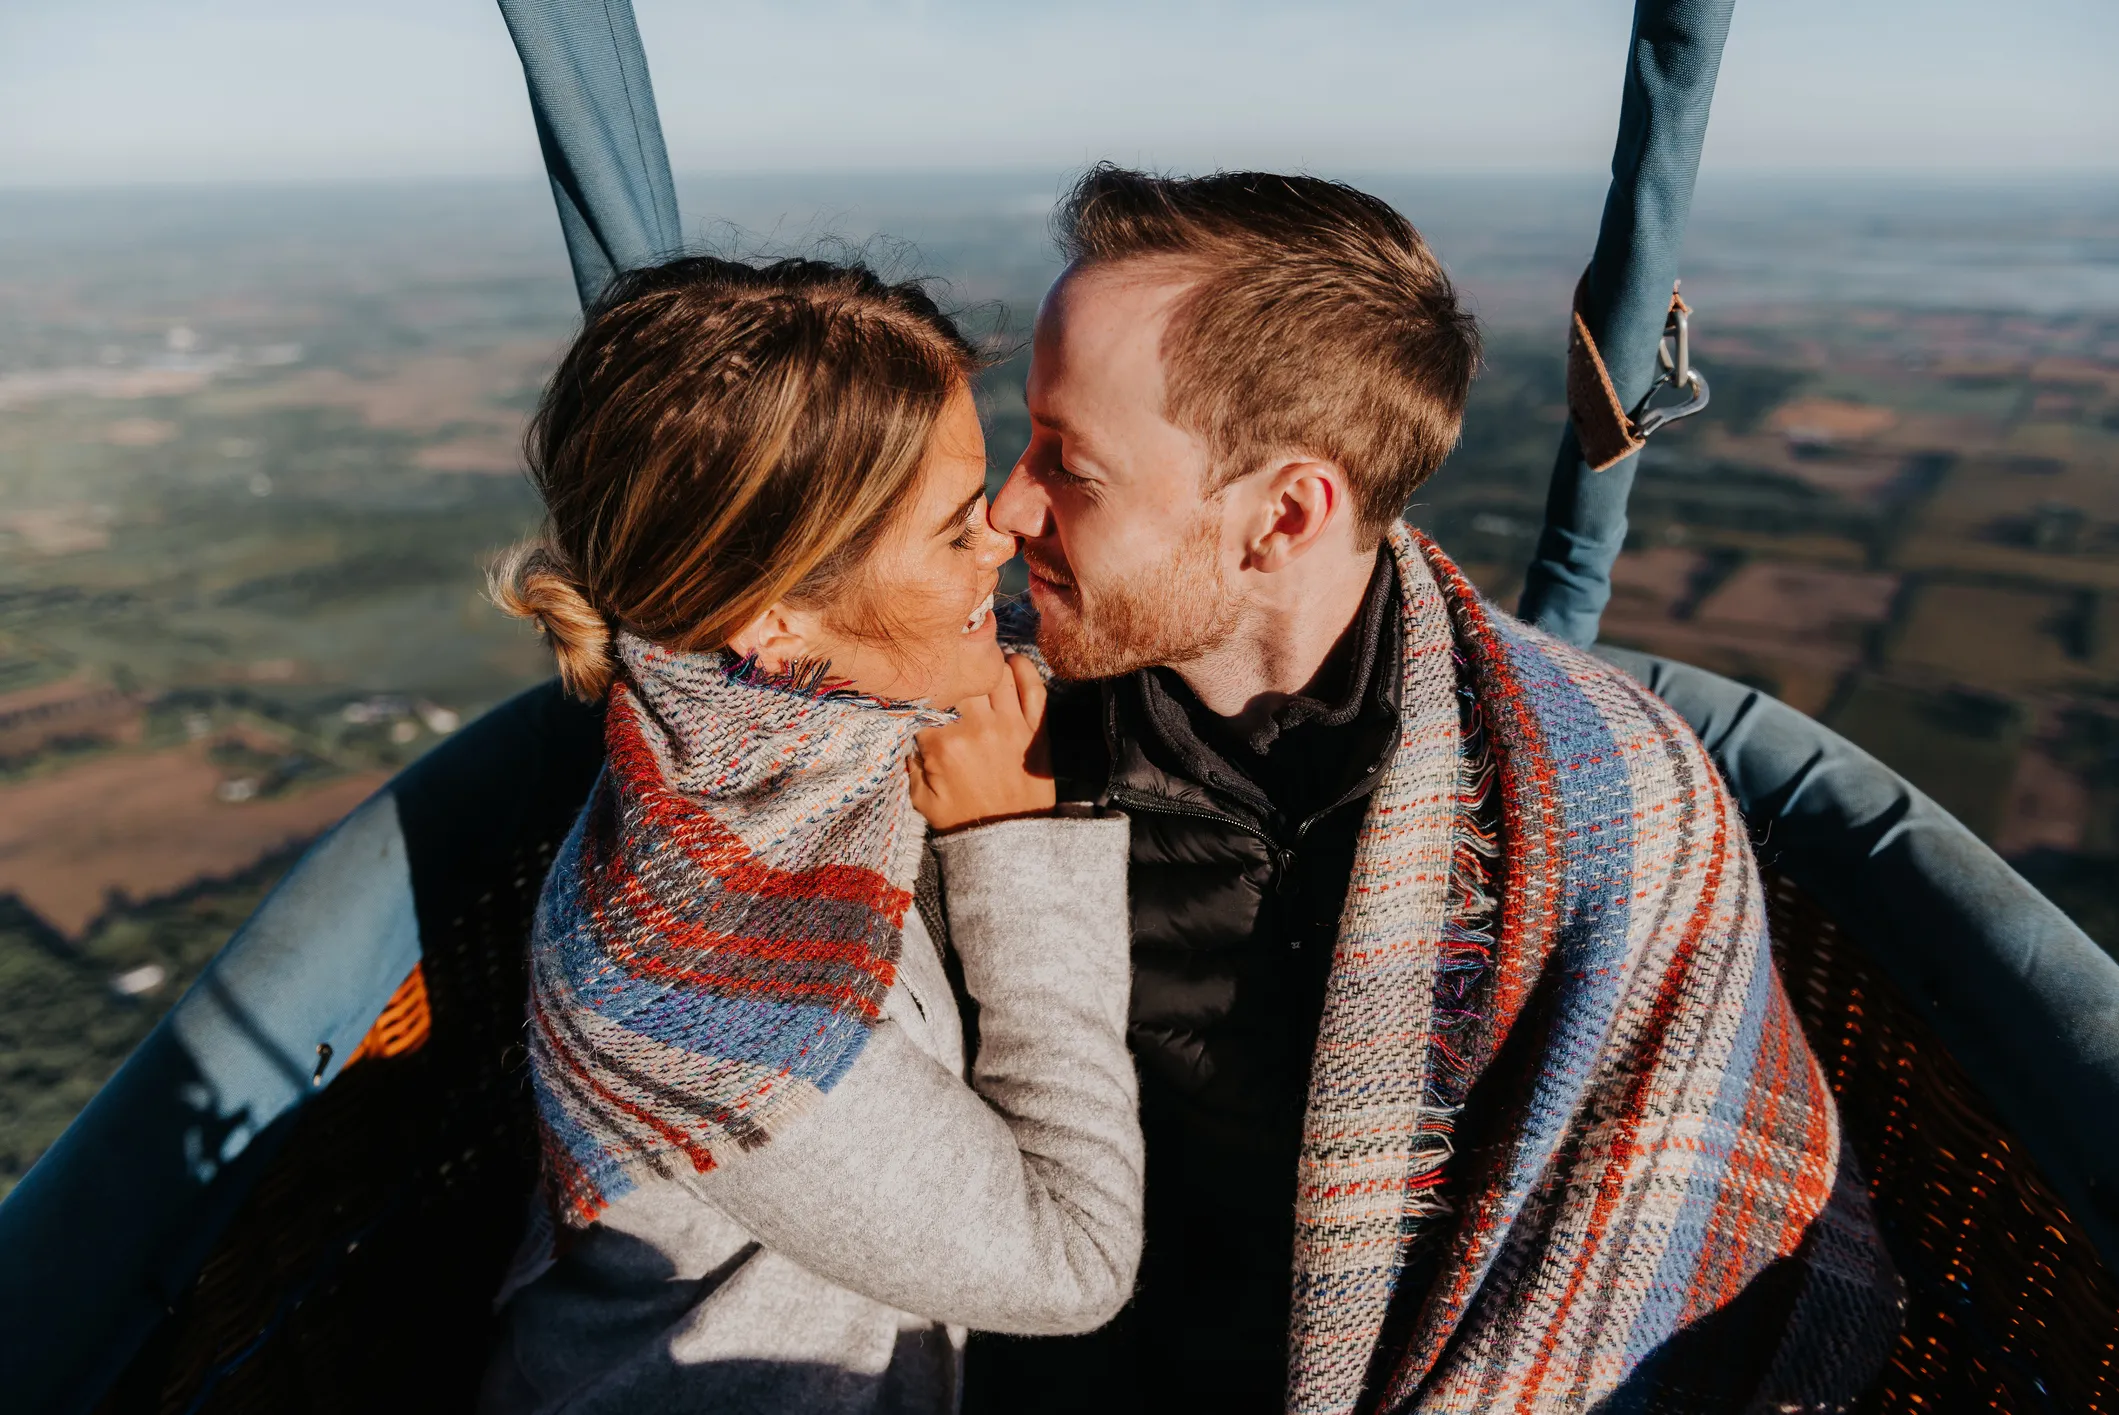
(1127, 560)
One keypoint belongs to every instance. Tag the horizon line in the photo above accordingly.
(1985, 176)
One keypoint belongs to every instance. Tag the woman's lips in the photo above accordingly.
(980, 617)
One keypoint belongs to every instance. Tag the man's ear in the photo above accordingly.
(1301, 499)
(781, 635)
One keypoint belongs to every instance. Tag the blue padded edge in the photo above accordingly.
(2025, 1001)
(1672, 59)
(602, 140)
(110, 1226)
(108, 1230)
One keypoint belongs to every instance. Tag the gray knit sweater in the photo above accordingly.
(836, 1268)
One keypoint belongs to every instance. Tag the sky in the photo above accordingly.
(114, 92)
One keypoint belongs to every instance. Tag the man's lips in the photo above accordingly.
(1052, 578)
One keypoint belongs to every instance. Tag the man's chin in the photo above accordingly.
(1059, 630)
(1074, 654)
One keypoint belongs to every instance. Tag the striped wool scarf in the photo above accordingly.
(718, 932)
(1596, 1124)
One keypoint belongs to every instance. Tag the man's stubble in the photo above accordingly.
(1170, 613)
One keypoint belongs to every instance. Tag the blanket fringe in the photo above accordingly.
(1464, 959)
(811, 678)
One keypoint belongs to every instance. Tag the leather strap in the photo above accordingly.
(1602, 427)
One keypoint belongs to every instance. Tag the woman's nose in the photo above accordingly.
(996, 542)
(999, 547)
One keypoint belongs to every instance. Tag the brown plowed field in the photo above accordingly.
(143, 824)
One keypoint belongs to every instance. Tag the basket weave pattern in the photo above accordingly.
(2010, 1308)
(359, 1274)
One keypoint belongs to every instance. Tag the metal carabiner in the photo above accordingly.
(1674, 353)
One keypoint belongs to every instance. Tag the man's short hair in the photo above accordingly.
(1317, 322)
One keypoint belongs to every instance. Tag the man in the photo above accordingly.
(1466, 1079)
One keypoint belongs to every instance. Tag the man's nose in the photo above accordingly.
(1020, 508)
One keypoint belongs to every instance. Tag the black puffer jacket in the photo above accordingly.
(1240, 859)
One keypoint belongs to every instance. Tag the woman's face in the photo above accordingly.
(921, 627)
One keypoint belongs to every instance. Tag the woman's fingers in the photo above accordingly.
(980, 707)
(1030, 685)
(1006, 694)
(1029, 688)
(1012, 698)
(916, 775)
(991, 762)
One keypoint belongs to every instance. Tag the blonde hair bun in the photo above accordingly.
(531, 581)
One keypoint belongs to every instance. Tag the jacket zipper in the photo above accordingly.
(1125, 796)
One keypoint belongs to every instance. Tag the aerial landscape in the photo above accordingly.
(256, 444)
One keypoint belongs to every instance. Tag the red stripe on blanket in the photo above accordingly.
(715, 848)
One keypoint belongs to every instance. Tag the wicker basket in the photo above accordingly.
(2010, 1307)
(360, 1274)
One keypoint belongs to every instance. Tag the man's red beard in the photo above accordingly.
(1169, 613)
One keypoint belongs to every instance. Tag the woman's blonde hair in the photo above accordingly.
(722, 437)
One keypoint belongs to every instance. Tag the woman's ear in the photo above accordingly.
(779, 637)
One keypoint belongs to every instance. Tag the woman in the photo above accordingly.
(771, 1186)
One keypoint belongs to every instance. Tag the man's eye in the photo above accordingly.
(1066, 473)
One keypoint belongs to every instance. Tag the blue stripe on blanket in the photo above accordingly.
(1595, 799)
(809, 1040)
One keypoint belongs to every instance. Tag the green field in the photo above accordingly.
(255, 447)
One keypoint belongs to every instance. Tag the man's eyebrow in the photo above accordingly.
(962, 513)
(1083, 447)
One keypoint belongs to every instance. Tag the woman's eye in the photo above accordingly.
(967, 535)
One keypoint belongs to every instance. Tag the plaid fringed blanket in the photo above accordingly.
(718, 932)
(1598, 1128)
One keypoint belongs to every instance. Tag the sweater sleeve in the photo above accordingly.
(1012, 1204)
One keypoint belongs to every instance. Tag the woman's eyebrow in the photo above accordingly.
(962, 512)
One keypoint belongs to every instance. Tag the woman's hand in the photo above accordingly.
(992, 762)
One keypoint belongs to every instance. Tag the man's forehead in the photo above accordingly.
(1101, 324)
(1114, 301)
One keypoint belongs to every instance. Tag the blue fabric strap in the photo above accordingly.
(1675, 53)
(602, 142)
